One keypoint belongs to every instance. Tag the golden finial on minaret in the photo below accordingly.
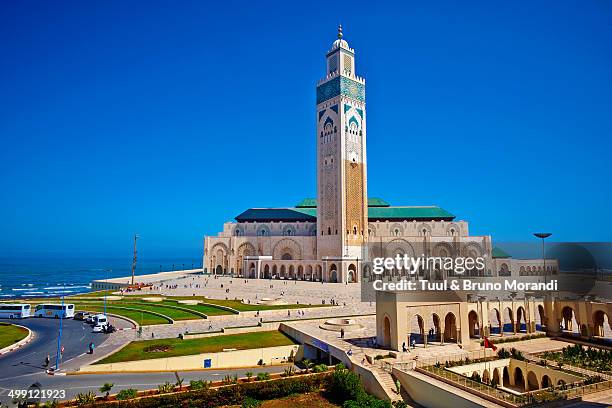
(339, 31)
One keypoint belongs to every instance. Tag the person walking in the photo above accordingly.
(91, 348)
(47, 360)
(341, 333)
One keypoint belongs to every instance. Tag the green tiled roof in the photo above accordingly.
(374, 214)
(312, 203)
(499, 253)
(409, 213)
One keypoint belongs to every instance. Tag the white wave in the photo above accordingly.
(24, 289)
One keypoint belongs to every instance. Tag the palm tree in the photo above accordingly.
(107, 387)
(249, 374)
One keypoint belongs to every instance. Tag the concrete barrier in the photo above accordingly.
(225, 359)
(20, 343)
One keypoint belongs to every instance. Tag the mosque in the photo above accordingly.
(327, 239)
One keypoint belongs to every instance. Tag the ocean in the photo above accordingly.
(54, 276)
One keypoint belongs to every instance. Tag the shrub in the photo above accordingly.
(126, 394)
(199, 384)
(320, 368)
(85, 398)
(248, 375)
(366, 401)
(250, 403)
(345, 385)
(165, 388)
(289, 371)
(106, 388)
(263, 376)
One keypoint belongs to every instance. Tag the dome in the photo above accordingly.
(340, 43)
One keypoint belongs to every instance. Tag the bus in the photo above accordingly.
(14, 310)
(55, 310)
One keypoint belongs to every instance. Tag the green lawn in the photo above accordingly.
(206, 309)
(177, 347)
(142, 318)
(175, 314)
(10, 334)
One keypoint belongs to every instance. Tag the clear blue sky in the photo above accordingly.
(169, 118)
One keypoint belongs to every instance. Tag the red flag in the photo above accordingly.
(489, 344)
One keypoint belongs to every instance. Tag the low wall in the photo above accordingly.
(224, 359)
(432, 393)
(234, 330)
(20, 343)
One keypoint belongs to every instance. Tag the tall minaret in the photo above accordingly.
(342, 211)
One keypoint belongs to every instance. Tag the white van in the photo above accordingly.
(100, 320)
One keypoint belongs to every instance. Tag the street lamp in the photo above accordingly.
(108, 271)
(543, 236)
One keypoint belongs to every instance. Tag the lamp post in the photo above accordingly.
(543, 236)
(59, 336)
(108, 271)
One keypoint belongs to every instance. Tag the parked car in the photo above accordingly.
(81, 315)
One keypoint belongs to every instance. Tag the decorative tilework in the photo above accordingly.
(353, 120)
(360, 112)
(335, 108)
(347, 108)
(321, 114)
(352, 89)
(341, 85)
(328, 90)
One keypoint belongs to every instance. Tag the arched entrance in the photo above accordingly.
(532, 381)
(436, 327)
(495, 317)
(519, 379)
(386, 332)
(333, 274)
(496, 379)
(274, 272)
(473, 324)
(267, 272)
(291, 272)
(219, 270)
(352, 273)
(600, 320)
(282, 272)
(546, 382)
(506, 377)
(569, 322)
(417, 329)
(300, 272)
(542, 316)
(252, 270)
(508, 320)
(521, 321)
(486, 376)
(450, 328)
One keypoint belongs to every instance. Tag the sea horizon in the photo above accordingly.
(56, 275)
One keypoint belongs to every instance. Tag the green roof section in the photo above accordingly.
(307, 203)
(312, 203)
(499, 253)
(427, 213)
(408, 213)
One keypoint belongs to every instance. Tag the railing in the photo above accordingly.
(568, 391)
(472, 386)
(552, 364)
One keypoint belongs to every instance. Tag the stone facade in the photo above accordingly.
(325, 239)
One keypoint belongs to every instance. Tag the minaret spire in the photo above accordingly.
(339, 31)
